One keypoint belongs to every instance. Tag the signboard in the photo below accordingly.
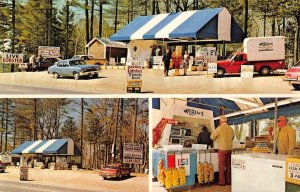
(134, 72)
(293, 170)
(157, 60)
(183, 160)
(12, 58)
(212, 68)
(47, 51)
(247, 71)
(133, 153)
(205, 55)
(123, 60)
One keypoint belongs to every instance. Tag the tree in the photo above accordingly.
(70, 130)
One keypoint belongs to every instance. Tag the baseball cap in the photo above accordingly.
(281, 118)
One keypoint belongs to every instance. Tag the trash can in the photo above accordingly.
(24, 173)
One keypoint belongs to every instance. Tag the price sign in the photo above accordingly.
(247, 71)
(212, 68)
(293, 172)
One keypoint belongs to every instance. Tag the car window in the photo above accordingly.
(238, 58)
(77, 62)
(60, 64)
(47, 60)
(65, 64)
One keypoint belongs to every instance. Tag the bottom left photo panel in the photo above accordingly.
(74, 144)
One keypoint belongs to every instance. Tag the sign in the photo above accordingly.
(12, 58)
(133, 153)
(47, 51)
(123, 60)
(212, 68)
(157, 60)
(293, 170)
(135, 72)
(247, 71)
(112, 61)
(183, 160)
(205, 55)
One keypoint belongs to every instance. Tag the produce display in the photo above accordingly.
(182, 178)
(161, 172)
(261, 147)
(205, 173)
(175, 177)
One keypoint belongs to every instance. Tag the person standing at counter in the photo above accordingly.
(166, 59)
(224, 135)
(286, 139)
(204, 137)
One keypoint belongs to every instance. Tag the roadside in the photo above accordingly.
(114, 82)
(79, 180)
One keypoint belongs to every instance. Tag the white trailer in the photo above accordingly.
(265, 48)
(5, 158)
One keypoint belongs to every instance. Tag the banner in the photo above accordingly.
(46, 51)
(12, 58)
(133, 153)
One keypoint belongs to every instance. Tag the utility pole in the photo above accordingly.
(81, 133)
(6, 122)
(12, 66)
(116, 16)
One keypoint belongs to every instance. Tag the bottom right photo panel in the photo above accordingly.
(226, 144)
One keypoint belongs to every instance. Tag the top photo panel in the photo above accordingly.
(149, 47)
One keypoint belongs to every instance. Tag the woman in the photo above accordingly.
(186, 59)
(176, 60)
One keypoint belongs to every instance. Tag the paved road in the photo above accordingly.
(25, 186)
(114, 82)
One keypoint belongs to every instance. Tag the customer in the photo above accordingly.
(204, 137)
(176, 60)
(286, 137)
(224, 135)
(166, 59)
(186, 59)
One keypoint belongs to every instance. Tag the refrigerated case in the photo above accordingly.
(258, 172)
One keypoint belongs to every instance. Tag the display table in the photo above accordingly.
(258, 172)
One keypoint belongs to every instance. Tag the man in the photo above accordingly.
(286, 137)
(166, 59)
(224, 135)
(204, 137)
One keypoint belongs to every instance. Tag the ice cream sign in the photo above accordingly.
(11, 58)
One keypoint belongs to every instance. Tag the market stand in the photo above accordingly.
(53, 153)
(147, 35)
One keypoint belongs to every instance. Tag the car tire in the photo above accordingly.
(76, 76)
(95, 76)
(265, 71)
(56, 75)
(105, 178)
(220, 72)
(296, 86)
(119, 176)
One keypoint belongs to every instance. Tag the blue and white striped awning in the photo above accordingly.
(54, 146)
(213, 24)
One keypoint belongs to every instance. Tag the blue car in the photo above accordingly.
(73, 67)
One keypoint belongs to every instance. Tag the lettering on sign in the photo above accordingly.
(212, 68)
(133, 153)
(12, 58)
(193, 112)
(265, 46)
(135, 72)
(238, 164)
(47, 51)
(293, 171)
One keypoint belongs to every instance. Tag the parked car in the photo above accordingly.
(115, 171)
(39, 66)
(293, 76)
(2, 168)
(90, 59)
(73, 67)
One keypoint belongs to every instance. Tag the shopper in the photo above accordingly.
(286, 137)
(166, 59)
(204, 137)
(176, 60)
(186, 59)
(224, 135)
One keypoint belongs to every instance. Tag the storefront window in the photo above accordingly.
(294, 121)
(242, 131)
(263, 126)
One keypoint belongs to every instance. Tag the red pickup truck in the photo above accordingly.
(115, 171)
(233, 64)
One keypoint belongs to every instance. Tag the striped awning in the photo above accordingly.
(54, 146)
(212, 24)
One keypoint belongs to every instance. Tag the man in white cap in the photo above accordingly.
(224, 135)
(286, 139)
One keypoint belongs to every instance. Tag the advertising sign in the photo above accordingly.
(123, 60)
(212, 68)
(247, 71)
(206, 55)
(11, 58)
(47, 51)
(157, 60)
(133, 153)
(134, 72)
(292, 171)
(183, 160)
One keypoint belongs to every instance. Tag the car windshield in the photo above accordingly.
(111, 167)
(297, 64)
(231, 57)
(77, 62)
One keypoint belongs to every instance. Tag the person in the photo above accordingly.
(204, 137)
(176, 60)
(166, 59)
(186, 59)
(224, 136)
(286, 137)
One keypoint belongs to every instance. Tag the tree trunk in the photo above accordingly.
(167, 6)
(116, 15)
(12, 68)
(92, 19)
(297, 41)
(81, 133)
(6, 122)
(153, 7)
(246, 17)
(273, 26)
(87, 21)
(100, 17)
